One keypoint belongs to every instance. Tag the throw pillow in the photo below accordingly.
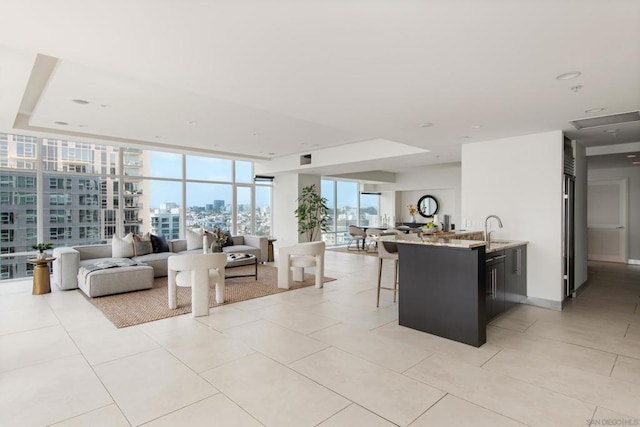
(229, 241)
(194, 239)
(122, 247)
(159, 244)
(142, 248)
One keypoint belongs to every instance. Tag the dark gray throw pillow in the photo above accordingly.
(159, 244)
(229, 241)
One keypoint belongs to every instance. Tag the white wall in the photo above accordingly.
(580, 217)
(520, 180)
(440, 181)
(286, 190)
(633, 175)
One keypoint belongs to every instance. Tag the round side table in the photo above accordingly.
(41, 281)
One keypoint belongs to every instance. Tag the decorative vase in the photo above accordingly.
(41, 255)
(413, 218)
(216, 247)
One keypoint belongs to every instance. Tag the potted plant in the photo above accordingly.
(312, 213)
(41, 247)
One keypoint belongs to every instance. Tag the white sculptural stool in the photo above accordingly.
(198, 271)
(292, 261)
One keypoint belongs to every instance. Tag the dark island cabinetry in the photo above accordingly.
(442, 291)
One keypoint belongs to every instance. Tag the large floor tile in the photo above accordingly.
(627, 369)
(108, 416)
(151, 384)
(294, 318)
(49, 392)
(104, 345)
(586, 338)
(225, 317)
(600, 390)
(523, 402)
(375, 348)
(596, 361)
(35, 346)
(274, 394)
(202, 348)
(12, 321)
(355, 415)
(388, 394)
(435, 344)
(215, 410)
(281, 344)
(606, 417)
(453, 411)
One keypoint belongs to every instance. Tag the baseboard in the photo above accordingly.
(580, 289)
(634, 261)
(544, 303)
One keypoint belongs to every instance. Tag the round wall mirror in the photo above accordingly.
(427, 206)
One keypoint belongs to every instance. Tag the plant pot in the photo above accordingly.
(41, 255)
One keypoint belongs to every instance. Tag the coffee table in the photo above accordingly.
(238, 260)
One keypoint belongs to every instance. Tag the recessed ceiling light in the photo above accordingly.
(314, 145)
(192, 122)
(636, 163)
(105, 105)
(303, 143)
(611, 131)
(82, 126)
(594, 110)
(569, 75)
(157, 136)
(476, 126)
(631, 156)
(271, 154)
(465, 137)
(576, 88)
(61, 123)
(425, 125)
(80, 101)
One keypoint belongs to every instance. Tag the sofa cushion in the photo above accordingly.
(159, 244)
(122, 247)
(142, 248)
(229, 241)
(194, 239)
(156, 260)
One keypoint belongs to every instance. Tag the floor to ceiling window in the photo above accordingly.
(342, 199)
(70, 193)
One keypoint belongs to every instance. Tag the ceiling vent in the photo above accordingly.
(613, 119)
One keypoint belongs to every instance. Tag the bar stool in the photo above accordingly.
(387, 249)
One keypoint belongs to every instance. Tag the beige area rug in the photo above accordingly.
(343, 249)
(133, 308)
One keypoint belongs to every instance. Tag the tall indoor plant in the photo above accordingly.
(312, 213)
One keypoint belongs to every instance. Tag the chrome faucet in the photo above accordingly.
(487, 235)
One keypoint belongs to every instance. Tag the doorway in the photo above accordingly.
(607, 221)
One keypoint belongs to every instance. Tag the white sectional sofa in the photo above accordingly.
(84, 266)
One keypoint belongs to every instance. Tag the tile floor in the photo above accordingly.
(321, 357)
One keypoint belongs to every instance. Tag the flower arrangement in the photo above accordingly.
(219, 236)
(215, 239)
(413, 210)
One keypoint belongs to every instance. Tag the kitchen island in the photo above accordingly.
(447, 287)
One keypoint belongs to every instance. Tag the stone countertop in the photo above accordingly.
(495, 246)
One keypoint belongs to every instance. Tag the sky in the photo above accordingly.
(168, 165)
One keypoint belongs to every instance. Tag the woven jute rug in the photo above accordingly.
(133, 308)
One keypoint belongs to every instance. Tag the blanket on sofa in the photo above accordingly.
(103, 264)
